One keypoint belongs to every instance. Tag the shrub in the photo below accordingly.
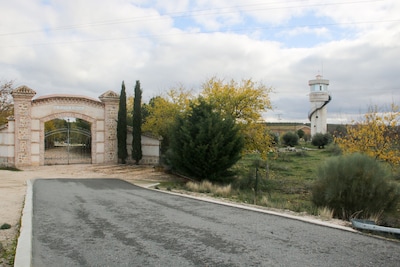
(334, 149)
(290, 139)
(205, 143)
(300, 133)
(321, 140)
(5, 226)
(354, 184)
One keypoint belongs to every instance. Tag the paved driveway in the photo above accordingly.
(108, 222)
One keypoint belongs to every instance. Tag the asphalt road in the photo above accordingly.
(108, 222)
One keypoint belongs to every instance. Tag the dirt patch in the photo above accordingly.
(13, 188)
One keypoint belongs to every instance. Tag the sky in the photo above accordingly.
(89, 47)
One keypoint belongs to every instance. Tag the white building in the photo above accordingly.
(319, 98)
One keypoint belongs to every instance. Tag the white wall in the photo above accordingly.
(150, 149)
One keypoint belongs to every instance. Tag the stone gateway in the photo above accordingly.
(22, 140)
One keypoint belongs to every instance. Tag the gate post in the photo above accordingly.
(111, 103)
(22, 113)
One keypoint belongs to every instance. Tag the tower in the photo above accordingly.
(319, 98)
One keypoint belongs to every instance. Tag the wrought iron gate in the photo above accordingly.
(68, 146)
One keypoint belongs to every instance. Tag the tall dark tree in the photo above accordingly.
(137, 125)
(204, 143)
(122, 126)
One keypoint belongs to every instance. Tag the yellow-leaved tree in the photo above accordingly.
(162, 111)
(245, 101)
(377, 134)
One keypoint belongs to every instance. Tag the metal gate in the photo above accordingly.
(68, 146)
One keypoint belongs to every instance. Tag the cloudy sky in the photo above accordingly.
(89, 47)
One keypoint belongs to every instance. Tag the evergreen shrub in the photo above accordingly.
(354, 185)
(204, 143)
(290, 139)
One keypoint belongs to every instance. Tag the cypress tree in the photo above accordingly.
(121, 126)
(137, 125)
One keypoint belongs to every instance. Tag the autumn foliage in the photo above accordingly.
(244, 101)
(377, 134)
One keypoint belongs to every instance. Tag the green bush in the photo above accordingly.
(205, 143)
(354, 184)
(334, 149)
(5, 226)
(321, 140)
(290, 139)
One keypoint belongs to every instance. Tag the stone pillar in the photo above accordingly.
(111, 104)
(22, 113)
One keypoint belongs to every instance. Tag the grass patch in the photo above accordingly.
(208, 187)
(4, 168)
(5, 226)
(7, 254)
(170, 185)
(287, 185)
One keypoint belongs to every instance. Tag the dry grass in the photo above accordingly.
(208, 187)
(325, 213)
(376, 217)
(264, 201)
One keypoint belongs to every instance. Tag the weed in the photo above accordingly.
(208, 187)
(5, 226)
(264, 201)
(5, 168)
(325, 213)
(171, 185)
(223, 191)
(376, 217)
(7, 254)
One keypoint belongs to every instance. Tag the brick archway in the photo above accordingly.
(30, 116)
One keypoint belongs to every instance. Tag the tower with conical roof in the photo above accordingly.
(319, 98)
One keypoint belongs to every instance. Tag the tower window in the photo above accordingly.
(320, 87)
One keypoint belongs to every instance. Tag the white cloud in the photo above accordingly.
(306, 30)
(89, 47)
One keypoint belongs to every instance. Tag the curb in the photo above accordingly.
(274, 213)
(23, 255)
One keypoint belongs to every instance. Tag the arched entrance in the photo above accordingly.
(30, 117)
(67, 141)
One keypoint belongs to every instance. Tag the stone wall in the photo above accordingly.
(150, 149)
(7, 144)
(22, 139)
(22, 114)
